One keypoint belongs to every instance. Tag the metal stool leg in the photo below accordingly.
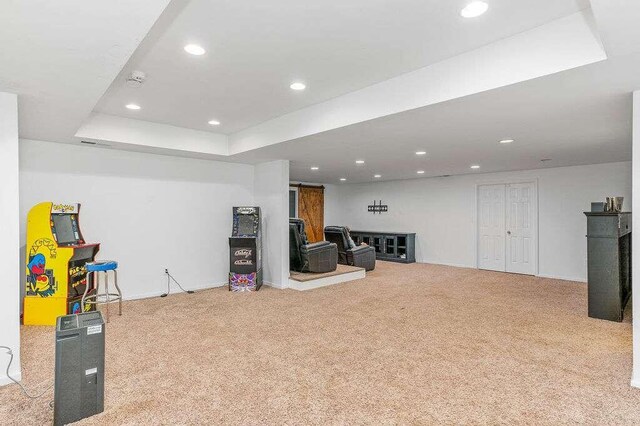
(97, 293)
(86, 290)
(115, 282)
(106, 287)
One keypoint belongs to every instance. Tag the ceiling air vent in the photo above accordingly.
(136, 78)
(94, 143)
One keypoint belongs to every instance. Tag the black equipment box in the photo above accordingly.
(79, 374)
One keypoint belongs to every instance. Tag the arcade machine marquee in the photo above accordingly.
(56, 257)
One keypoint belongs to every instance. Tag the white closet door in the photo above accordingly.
(521, 247)
(491, 227)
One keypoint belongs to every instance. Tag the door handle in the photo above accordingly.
(508, 232)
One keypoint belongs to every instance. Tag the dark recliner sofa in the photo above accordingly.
(304, 257)
(360, 256)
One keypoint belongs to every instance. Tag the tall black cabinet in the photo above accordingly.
(609, 263)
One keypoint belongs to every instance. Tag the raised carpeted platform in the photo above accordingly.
(410, 344)
(308, 281)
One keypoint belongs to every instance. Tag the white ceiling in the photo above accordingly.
(581, 116)
(59, 57)
(255, 49)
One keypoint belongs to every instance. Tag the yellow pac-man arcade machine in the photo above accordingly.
(56, 257)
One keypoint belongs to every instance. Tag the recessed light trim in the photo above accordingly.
(194, 49)
(214, 122)
(315, 168)
(421, 152)
(133, 107)
(475, 166)
(298, 86)
(359, 161)
(420, 172)
(505, 141)
(377, 176)
(474, 9)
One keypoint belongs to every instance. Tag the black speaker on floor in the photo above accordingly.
(79, 374)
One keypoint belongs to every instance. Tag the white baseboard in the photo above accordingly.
(555, 277)
(173, 291)
(278, 286)
(455, 265)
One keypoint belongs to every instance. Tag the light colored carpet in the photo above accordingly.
(308, 276)
(410, 344)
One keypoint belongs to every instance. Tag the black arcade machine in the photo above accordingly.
(245, 245)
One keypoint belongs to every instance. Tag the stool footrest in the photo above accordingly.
(112, 298)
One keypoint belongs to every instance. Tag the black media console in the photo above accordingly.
(390, 246)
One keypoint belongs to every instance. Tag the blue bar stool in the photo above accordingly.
(92, 294)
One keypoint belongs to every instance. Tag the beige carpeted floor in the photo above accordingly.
(410, 344)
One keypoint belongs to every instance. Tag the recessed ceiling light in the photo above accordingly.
(194, 49)
(474, 9)
(475, 166)
(359, 161)
(506, 141)
(298, 86)
(214, 122)
(420, 172)
(315, 168)
(343, 179)
(133, 106)
(377, 176)
(421, 152)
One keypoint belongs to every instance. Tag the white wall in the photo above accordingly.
(442, 212)
(9, 236)
(635, 241)
(332, 205)
(271, 188)
(149, 212)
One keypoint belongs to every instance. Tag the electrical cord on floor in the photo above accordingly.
(10, 352)
(169, 279)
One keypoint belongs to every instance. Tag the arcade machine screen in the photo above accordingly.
(246, 224)
(65, 232)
